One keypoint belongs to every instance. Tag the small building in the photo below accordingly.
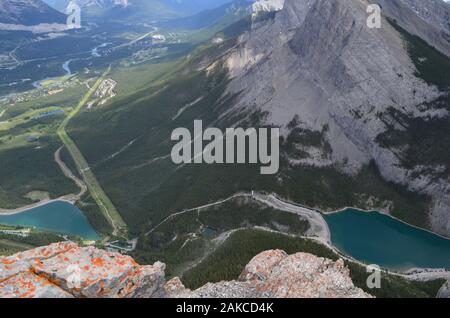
(32, 138)
(158, 38)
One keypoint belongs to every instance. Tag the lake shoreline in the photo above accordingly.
(340, 210)
(385, 214)
(29, 207)
(60, 216)
(323, 238)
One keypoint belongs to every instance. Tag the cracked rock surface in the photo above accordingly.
(65, 270)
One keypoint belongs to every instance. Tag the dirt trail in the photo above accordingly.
(98, 194)
(319, 227)
(71, 198)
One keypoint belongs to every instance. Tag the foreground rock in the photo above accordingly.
(274, 274)
(65, 270)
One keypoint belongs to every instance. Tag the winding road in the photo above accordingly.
(68, 173)
(319, 227)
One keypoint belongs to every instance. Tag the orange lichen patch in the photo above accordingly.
(47, 251)
(88, 282)
(46, 282)
(97, 261)
(100, 274)
(28, 285)
(37, 263)
(7, 261)
(13, 268)
(121, 262)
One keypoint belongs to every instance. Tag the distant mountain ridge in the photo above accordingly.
(29, 13)
(141, 9)
(228, 12)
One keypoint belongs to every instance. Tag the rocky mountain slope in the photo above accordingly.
(434, 11)
(64, 270)
(29, 12)
(427, 19)
(363, 114)
(316, 67)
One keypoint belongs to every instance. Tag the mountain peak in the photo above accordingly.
(318, 62)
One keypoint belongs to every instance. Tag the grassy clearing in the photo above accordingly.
(26, 117)
(97, 193)
(57, 80)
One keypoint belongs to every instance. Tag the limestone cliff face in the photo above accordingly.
(65, 270)
(436, 12)
(428, 19)
(317, 62)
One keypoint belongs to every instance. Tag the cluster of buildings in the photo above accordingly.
(21, 232)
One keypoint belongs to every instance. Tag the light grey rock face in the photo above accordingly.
(428, 19)
(318, 61)
(266, 6)
(436, 12)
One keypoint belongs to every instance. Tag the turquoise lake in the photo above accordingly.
(374, 238)
(58, 216)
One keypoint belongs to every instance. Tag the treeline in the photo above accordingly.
(94, 215)
(432, 65)
(34, 239)
(228, 261)
(6, 250)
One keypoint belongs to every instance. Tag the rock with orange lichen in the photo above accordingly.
(262, 265)
(28, 285)
(67, 270)
(12, 265)
(45, 251)
(78, 272)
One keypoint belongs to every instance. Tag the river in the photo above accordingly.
(66, 67)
